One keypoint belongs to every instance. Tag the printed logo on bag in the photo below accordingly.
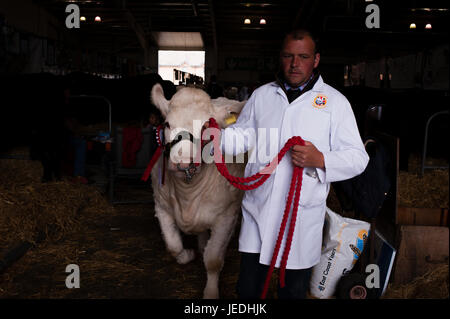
(360, 242)
(320, 101)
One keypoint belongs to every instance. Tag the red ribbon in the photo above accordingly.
(155, 157)
(152, 163)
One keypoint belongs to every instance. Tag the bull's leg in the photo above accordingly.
(172, 237)
(202, 240)
(214, 254)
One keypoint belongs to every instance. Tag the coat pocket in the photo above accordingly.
(313, 192)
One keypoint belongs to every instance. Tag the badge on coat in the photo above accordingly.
(320, 101)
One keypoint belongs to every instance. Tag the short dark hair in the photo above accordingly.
(300, 34)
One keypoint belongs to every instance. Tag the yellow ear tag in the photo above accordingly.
(230, 119)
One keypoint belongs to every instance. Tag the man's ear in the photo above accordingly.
(316, 60)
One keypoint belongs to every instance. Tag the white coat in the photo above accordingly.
(322, 116)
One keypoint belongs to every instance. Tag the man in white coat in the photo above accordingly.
(299, 103)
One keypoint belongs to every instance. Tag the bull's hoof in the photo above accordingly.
(211, 293)
(185, 256)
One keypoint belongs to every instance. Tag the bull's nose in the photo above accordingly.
(182, 150)
(183, 165)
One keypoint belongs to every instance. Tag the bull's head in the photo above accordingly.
(185, 117)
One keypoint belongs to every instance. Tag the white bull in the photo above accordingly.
(206, 205)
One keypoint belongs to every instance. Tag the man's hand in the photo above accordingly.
(307, 156)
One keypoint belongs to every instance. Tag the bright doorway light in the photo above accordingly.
(192, 62)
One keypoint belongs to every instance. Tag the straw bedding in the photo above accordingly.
(427, 191)
(29, 208)
(432, 285)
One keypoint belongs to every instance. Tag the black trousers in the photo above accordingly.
(253, 274)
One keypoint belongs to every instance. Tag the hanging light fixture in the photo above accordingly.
(98, 19)
(247, 21)
(412, 26)
(262, 21)
(428, 26)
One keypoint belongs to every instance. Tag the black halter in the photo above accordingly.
(183, 135)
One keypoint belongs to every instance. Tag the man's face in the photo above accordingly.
(298, 60)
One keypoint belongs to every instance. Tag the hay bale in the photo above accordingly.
(432, 285)
(29, 207)
(427, 191)
(15, 173)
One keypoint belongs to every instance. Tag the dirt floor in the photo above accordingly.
(121, 254)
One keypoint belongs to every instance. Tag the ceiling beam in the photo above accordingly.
(194, 8)
(213, 23)
(135, 26)
(214, 34)
(301, 13)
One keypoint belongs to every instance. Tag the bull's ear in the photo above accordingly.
(224, 108)
(159, 100)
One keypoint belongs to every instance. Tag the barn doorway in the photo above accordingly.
(181, 67)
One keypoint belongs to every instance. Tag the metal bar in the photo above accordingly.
(111, 182)
(425, 143)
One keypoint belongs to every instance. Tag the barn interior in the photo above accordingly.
(96, 61)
